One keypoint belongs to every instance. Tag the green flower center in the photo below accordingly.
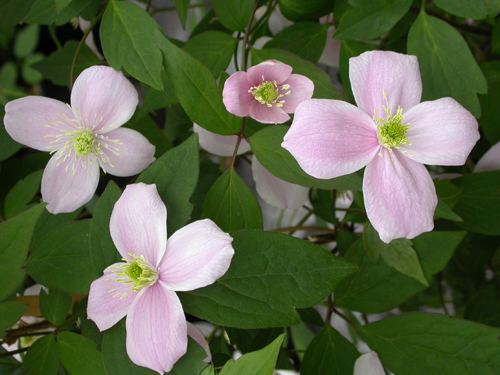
(84, 142)
(136, 272)
(392, 131)
(266, 93)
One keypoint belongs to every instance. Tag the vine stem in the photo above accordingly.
(18, 351)
(244, 66)
(306, 228)
(80, 44)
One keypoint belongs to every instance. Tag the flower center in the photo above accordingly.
(269, 93)
(136, 272)
(84, 142)
(392, 131)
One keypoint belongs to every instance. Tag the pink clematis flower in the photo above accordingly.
(143, 286)
(82, 137)
(391, 133)
(490, 161)
(267, 92)
(368, 364)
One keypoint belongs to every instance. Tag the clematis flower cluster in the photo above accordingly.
(82, 137)
(267, 92)
(391, 133)
(143, 286)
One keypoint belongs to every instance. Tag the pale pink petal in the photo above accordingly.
(490, 160)
(196, 256)
(103, 99)
(235, 94)
(125, 152)
(368, 364)
(275, 191)
(156, 329)
(38, 122)
(441, 132)
(331, 138)
(268, 115)
(270, 70)
(196, 334)
(301, 88)
(399, 194)
(382, 79)
(69, 181)
(109, 300)
(138, 223)
(221, 145)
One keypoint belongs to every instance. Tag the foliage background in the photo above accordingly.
(427, 306)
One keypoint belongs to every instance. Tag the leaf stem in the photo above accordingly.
(305, 228)
(13, 352)
(53, 36)
(80, 44)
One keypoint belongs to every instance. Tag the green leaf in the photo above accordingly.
(79, 355)
(231, 204)
(60, 258)
(495, 39)
(175, 175)
(296, 10)
(266, 145)
(398, 254)
(42, 11)
(192, 363)
(377, 287)
(477, 9)
(444, 211)
(197, 91)
(214, 49)
(329, 353)
(249, 340)
(56, 67)
(484, 306)
(15, 238)
(182, 6)
(18, 198)
(255, 291)
(450, 70)
(12, 12)
(370, 19)
(323, 87)
(434, 345)
(305, 39)
(479, 203)
(26, 41)
(102, 250)
(262, 362)
(55, 306)
(114, 353)
(489, 103)
(129, 41)
(42, 357)
(234, 14)
(10, 312)
(30, 75)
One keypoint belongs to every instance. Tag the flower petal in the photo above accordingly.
(109, 300)
(368, 364)
(268, 115)
(196, 334)
(103, 99)
(275, 191)
(69, 181)
(138, 223)
(125, 152)
(490, 160)
(382, 79)
(301, 88)
(196, 256)
(441, 132)
(270, 70)
(156, 329)
(38, 122)
(400, 197)
(235, 94)
(331, 138)
(221, 145)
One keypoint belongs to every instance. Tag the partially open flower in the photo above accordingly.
(267, 92)
(81, 137)
(143, 286)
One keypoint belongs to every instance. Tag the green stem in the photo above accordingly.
(53, 35)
